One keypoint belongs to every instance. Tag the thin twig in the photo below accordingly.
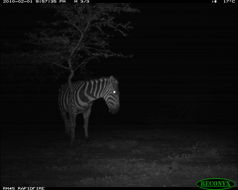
(62, 66)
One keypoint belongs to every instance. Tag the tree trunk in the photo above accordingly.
(72, 117)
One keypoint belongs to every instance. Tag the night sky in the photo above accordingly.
(183, 69)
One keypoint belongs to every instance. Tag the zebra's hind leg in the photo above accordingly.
(86, 115)
(72, 126)
(66, 123)
(67, 128)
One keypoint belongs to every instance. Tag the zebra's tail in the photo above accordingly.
(60, 94)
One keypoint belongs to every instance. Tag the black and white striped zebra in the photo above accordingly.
(84, 94)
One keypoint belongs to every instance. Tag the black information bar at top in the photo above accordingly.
(158, 1)
(212, 2)
(146, 1)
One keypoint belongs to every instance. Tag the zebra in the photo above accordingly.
(84, 94)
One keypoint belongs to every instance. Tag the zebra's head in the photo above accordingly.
(111, 96)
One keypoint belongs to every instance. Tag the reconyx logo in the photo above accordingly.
(215, 183)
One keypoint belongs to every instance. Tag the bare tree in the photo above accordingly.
(80, 34)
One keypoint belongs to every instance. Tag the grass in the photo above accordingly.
(150, 157)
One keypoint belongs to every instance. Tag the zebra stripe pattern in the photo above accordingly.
(84, 94)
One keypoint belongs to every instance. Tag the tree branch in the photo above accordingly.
(80, 34)
(79, 41)
(84, 62)
(62, 66)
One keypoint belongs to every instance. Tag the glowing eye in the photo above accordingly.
(114, 92)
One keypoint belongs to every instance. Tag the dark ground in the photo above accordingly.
(162, 155)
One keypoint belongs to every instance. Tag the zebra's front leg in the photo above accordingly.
(86, 116)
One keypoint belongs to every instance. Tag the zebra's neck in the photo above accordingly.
(95, 89)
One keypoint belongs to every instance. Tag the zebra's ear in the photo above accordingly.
(113, 79)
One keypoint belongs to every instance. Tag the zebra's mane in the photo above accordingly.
(114, 80)
(105, 77)
(98, 79)
(65, 85)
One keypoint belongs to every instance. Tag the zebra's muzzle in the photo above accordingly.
(114, 110)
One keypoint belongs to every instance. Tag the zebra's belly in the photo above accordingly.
(81, 109)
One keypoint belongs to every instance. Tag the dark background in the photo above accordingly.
(183, 70)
